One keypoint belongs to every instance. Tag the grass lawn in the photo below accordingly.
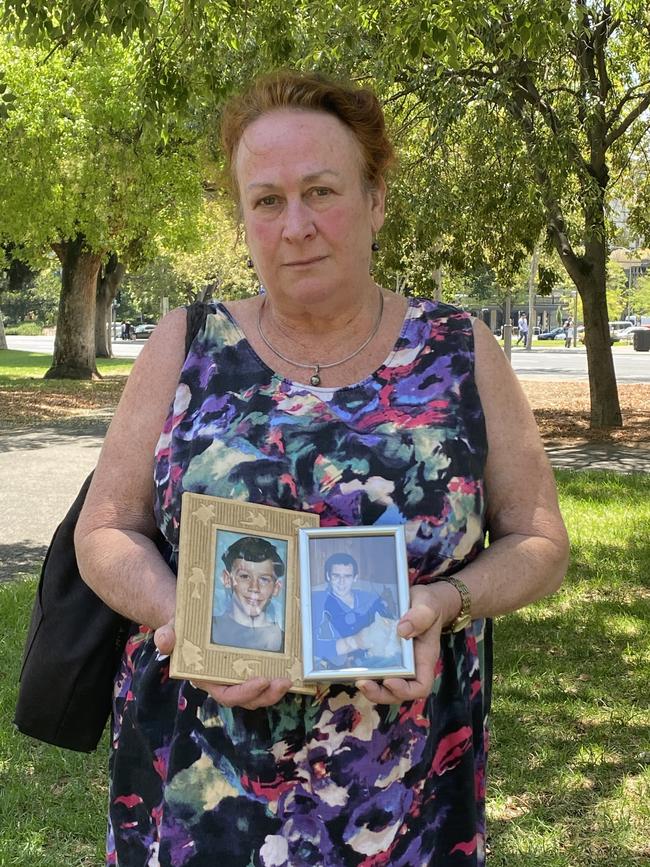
(569, 781)
(16, 364)
(53, 801)
(25, 397)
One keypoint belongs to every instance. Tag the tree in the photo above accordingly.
(543, 106)
(571, 80)
(565, 87)
(83, 174)
(640, 298)
(214, 267)
(461, 179)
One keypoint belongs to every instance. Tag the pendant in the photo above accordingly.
(315, 378)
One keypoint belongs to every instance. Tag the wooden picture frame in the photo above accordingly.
(238, 592)
(354, 589)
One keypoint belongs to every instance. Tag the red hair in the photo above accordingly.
(358, 108)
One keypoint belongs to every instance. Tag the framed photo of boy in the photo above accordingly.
(238, 592)
(354, 589)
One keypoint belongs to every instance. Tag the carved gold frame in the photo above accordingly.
(195, 656)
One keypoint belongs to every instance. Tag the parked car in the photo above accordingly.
(615, 328)
(613, 333)
(629, 332)
(143, 330)
(553, 334)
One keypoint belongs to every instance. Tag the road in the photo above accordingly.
(571, 364)
(554, 363)
(121, 348)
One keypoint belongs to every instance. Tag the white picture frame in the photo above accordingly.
(354, 589)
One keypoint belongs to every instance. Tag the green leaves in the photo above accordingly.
(39, 23)
(7, 98)
(78, 154)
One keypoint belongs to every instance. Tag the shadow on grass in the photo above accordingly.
(599, 456)
(20, 561)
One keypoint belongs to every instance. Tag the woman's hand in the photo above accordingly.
(252, 694)
(431, 608)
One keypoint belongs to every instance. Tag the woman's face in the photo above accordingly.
(309, 222)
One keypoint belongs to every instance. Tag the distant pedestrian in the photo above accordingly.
(123, 331)
(568, 328)
(523, 329)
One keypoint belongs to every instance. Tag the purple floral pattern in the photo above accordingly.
(331, 780)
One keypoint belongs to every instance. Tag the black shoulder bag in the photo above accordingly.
(75, 641)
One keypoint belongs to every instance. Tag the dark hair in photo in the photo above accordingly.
(340, 559)
(255, 550)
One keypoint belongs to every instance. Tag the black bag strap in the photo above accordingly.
(197, 313)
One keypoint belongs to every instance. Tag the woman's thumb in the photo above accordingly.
(165, 638)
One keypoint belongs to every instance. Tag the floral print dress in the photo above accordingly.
(334, 779)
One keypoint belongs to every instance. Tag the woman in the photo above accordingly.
(333, 395)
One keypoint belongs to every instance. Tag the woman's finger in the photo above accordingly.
(276, 690)
(254, 693)
(165, 638)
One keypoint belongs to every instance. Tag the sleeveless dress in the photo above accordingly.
(334, 779)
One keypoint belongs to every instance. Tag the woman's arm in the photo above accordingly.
(528, 552)
(113, 538)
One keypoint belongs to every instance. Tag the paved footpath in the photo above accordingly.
(42, 468)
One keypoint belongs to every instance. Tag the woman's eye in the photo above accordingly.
(268, 201)
(321, 192)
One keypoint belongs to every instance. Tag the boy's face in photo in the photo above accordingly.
(252, 584)
(341, 578)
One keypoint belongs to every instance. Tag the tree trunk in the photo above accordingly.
(3, 336)
(74, 346)
(588, 273)
(108, 282)
(603, 391)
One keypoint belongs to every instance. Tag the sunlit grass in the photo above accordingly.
(570, 766)
(15, 364)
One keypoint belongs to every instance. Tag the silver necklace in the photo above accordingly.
(317, 366)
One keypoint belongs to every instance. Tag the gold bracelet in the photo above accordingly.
(464, 618)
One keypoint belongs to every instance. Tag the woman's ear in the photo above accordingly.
(377, 205)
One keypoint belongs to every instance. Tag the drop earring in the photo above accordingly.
(249, 262)
(374, 246)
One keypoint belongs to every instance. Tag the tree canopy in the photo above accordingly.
(513, 119)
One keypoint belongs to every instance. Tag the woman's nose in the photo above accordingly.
(298, 222)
